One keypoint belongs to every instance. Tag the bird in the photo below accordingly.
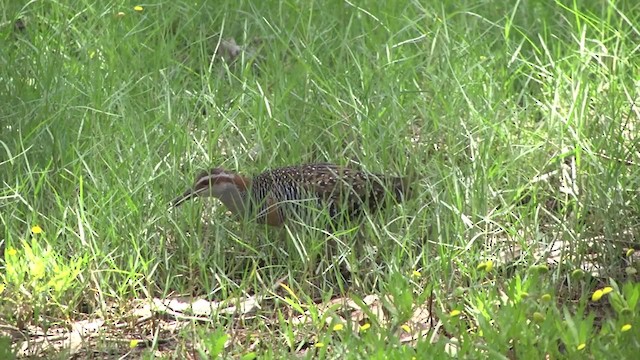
(300, 193)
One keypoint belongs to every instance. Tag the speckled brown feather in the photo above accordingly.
(340, 189)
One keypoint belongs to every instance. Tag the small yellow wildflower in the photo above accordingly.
(454, 313)
(488, 266)
(364, 327)
(485, 266)
(36, 229)
(133, 343)
(597, 295)
(338, 327)
(606, 290)
(2, 288)
(406, 328)
(416, 274)
(545, 297)
(12, 252)
(138, 8)
(319, 344)
(625, 327)
(630, 252)
(581, 346)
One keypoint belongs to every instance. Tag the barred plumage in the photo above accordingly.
(303, 193)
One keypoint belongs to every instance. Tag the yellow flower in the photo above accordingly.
(545, 297)
(319, 344)
(485, 265)
(625, 327)
(630, 252)
(406, 328)
(606, 290)
(2, 288)
(581, 346)
(36, 229)
(12, 252)
(416, 274)
(488, 266)
(138, 8)
(338, 327)
(597, 295)
(364, 327)
(133, 343)
(454, 313)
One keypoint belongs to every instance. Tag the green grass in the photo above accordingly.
(517, 120)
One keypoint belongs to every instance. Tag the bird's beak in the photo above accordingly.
(184, 197)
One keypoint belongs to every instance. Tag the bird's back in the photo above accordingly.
(308, 190)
